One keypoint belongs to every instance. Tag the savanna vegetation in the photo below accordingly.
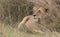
(13, 11)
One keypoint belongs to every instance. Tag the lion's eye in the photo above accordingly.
(39, 11)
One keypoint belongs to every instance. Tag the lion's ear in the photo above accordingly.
(46, 10)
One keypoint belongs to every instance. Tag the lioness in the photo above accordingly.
(33, 22)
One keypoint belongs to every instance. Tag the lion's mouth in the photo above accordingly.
(38, 20)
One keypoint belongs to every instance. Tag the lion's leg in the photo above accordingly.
(23, 21)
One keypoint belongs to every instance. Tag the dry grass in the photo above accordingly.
(7, 31)
(17, 8)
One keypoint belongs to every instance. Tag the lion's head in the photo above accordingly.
(40, 11)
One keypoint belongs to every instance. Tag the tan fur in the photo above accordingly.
(24, 21)
(31, 23)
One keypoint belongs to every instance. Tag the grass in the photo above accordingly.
(8, 31)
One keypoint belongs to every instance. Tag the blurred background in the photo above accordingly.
(13, 11)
